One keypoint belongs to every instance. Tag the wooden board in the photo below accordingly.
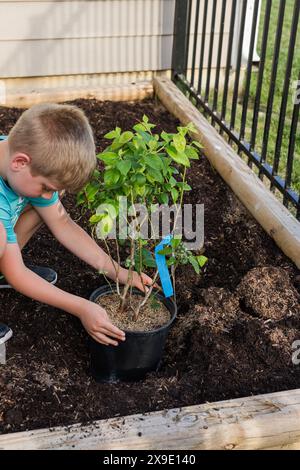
(130, 92)
(260, 422)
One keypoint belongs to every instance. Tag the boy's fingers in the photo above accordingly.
(147, 280)
(113, 335)
(103, 339)
(113, 330)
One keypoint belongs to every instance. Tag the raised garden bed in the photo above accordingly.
(235, 327)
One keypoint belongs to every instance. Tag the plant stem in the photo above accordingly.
(129, 278)
(117, 269)
(173, 279)
(143, 302)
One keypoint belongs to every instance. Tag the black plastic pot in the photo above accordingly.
(140, 353)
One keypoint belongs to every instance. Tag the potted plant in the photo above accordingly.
(143, 174)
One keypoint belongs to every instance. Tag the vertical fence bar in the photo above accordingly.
(286, 86)
(273, 76)
(228, 61)
(202, 47)
(238, 66)
(211, 48)
(292, 141)
(195, 42)
(220, 48)
(188, 29)
(263, 52)
(180, 40)
(249, 70)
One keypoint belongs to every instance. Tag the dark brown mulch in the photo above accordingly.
(234, 332)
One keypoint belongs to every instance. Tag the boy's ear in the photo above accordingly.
(19, 161)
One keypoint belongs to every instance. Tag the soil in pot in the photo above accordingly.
(152, 315)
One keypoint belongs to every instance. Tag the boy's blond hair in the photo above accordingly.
(59, 140)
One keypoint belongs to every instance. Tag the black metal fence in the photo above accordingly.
(239, 63)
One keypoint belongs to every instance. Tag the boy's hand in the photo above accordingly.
(98, 325)
(141, 281)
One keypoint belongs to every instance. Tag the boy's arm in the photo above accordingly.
(93, 317)
(75, 239)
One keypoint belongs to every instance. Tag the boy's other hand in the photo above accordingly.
(98, 325)
(141, 281)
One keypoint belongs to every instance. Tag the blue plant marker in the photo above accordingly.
(163, 268)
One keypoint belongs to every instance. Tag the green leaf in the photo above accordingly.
(191, 153)
(174, 194)
(113, 134)
(80, 199)
(125, 137)
(152, 144)
(182, 130)
(94, 219)
(145, 119)
(140, 190)
(104, 227)
(111, 177)
(139, 127)
(147, 259)
(164, 198)
(184, 186)
(96, 174)
(172, 181)
(171, 261)
(194, 263)
(202, 260)
(154, 175)
(108, 158)
(179, 142)
(154, 162)
(168, 250)
(180, 158)
(109, 207)
(145, 136)
(175, 242)
(197, 144)
(90, 192)
(140, 179)
(124, 166)
(166, 137)
(191, 127)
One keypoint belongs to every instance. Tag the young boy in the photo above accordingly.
(51, 148)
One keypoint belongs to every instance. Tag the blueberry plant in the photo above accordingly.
(147, 170)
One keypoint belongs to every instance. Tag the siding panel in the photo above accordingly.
(85, 19)
(83, 56)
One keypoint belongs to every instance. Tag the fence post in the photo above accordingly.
(180, 37)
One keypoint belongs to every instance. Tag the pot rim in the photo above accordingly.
(106, 289)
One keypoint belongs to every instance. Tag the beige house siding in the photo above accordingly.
(42, 38)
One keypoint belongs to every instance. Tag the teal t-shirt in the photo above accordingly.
(11, 206)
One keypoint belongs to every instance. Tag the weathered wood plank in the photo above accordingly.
(130, 92)
(277, 221)
(264, 421)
